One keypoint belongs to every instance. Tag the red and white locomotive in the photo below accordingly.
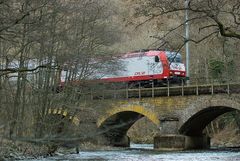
(143, 68)
(147, 66)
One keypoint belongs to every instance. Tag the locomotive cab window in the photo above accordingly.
(173, 57)
(178, 58)
(156, 58)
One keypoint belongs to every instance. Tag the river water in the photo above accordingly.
(145, 152)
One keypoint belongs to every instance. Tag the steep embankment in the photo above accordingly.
(228, 137)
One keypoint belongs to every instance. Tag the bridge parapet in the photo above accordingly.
(204, 89)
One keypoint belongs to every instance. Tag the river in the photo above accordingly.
(145, 152)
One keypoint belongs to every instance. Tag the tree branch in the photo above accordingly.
(22, 70)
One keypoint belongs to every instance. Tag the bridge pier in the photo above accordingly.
(173, 142)
(169, 138)
(123, 142)
(197, 142)
(120, 141)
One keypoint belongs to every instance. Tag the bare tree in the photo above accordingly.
(221, 17)
(39, 39)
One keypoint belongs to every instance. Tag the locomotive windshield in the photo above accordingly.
(174, 57)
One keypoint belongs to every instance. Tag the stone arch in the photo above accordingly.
(115, 123)
(204, 110)
(151, 115)
(65, 113)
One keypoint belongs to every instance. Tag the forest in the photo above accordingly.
(41, 38)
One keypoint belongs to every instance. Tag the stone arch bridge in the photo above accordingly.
(181, 113)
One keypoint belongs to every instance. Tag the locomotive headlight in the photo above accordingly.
(177, 73)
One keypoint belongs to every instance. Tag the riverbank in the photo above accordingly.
(16, 150)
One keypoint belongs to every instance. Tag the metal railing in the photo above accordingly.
(195, 88)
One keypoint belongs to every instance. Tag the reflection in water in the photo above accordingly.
(141, 146)
(144, 152)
